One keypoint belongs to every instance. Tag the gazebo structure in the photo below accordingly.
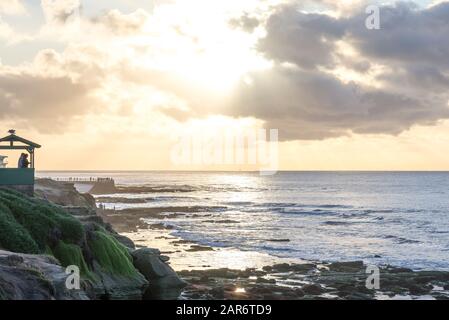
(21, 179)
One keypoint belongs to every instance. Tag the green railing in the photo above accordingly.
(12, 176)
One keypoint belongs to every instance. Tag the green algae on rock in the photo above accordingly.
(70, 254)
(112, 256)
(32, 219)
(36, 226)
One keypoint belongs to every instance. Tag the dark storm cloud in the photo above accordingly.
(408, 35)
(305, 102)
(306, 40)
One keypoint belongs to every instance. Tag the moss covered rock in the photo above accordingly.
(112, 256)
(70, 254)
(32, 224)
(35, 226)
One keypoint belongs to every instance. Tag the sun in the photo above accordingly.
(202, 49)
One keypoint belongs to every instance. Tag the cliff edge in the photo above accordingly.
(41, 236)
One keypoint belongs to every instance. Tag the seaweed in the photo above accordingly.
(71, 255)
(112, 256)
(30, 225)
(13, 236)
(39, 219)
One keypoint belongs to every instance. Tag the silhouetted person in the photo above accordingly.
(20, 163)
(23, 161)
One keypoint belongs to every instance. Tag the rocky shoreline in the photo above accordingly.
(141, 272)
(308, 280)
(324, 281)
(60, 227)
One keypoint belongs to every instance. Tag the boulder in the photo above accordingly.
(127, 242)
(350, 266)
(34, 277)
(312, 289)
(117, 287)
(63, 194)
(164, 282)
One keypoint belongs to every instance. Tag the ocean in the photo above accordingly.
(397, 218)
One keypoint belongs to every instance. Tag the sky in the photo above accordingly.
(115, 84)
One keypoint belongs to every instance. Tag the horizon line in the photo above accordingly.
(236, 171)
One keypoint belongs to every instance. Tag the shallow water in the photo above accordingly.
(397, 218)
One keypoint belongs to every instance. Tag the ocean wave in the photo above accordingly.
(272, 248)
(238, 203)
(155, 189)
(333, 206)
(337, 223)
(369, 211)
(401, 240)
(136, 189)
(316, 212)
(224, 221)
(276, 204)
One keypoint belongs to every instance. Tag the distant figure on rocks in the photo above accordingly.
(23, 161)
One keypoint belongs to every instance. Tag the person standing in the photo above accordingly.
(20, 163)
(23, 161)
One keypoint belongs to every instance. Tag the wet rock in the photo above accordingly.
(127, 242)
(121, 200)
(392, 269)
(359, 296)
(164, 282)
(351, 266)
(164, 258)
(281, 267)
(60, 193)
(340, 284)
(218, 293)
(312, 289)
(116, 287)
(264, 280)
(196, 248)
(267, 268)
(299, 292)
(303, 268)
(160, 226)
(34, 277)
(416, 290)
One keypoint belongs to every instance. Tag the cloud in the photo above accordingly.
(245, 22)
(60, 11)
(50, 93)
(344, 7)
(306, 40)
(123, 24)
(11, 7)
(329, 75)
(5, 30)
(306, 95)
(34, 99)
(87, 77)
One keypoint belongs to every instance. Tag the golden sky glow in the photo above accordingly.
(112, 85)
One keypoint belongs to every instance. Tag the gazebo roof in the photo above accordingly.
(14, 138)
